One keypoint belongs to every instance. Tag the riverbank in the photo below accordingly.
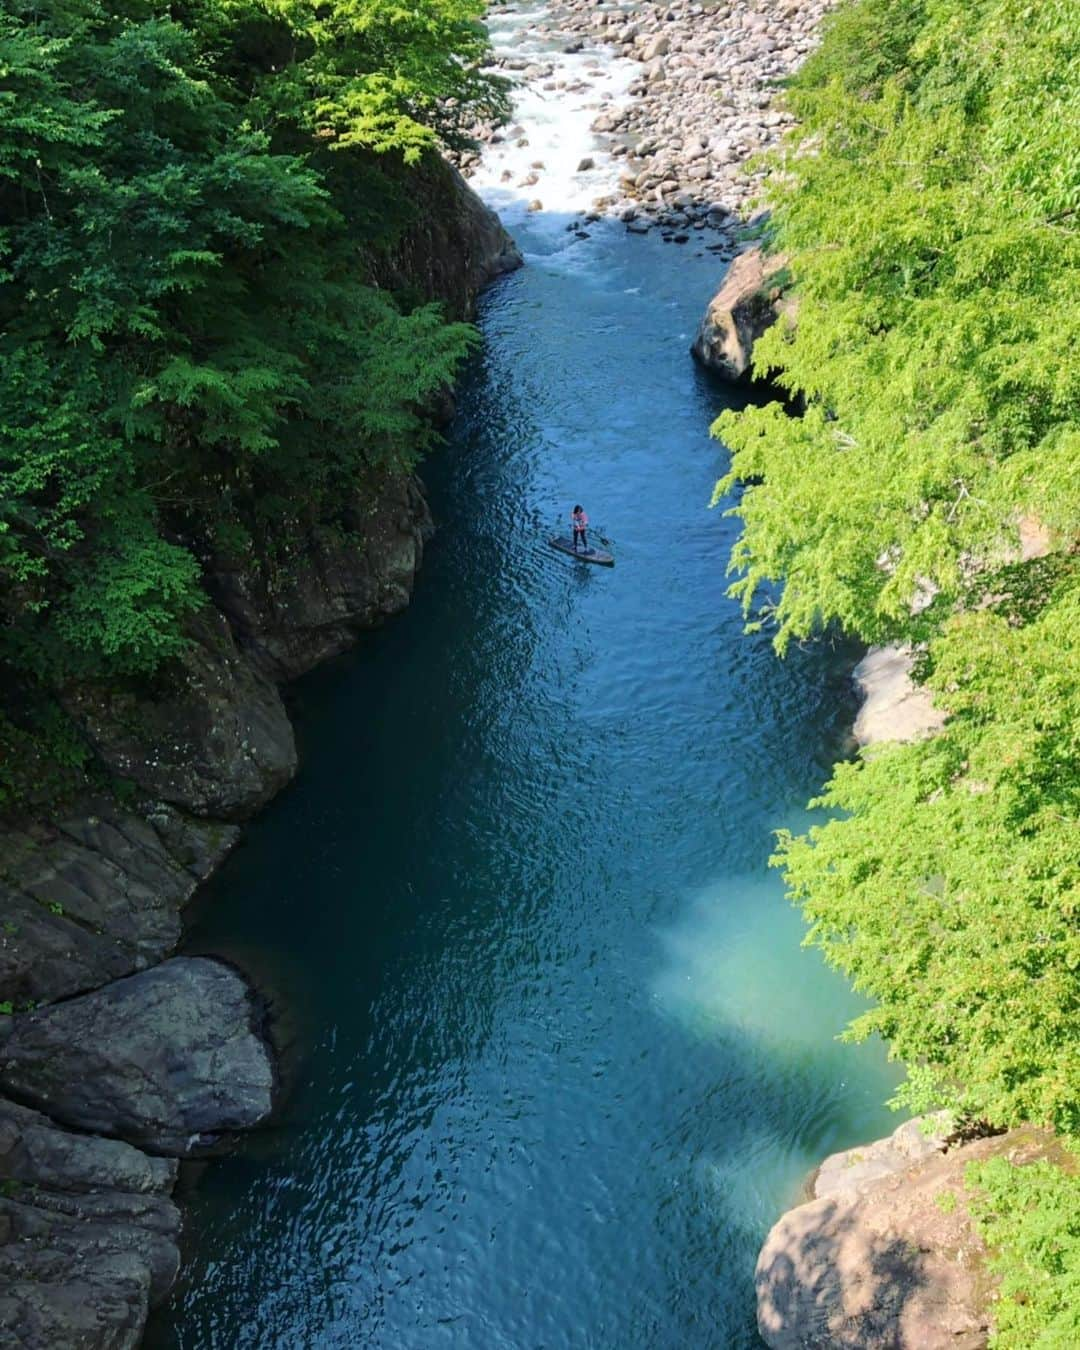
(681, 95)
(114, 1059)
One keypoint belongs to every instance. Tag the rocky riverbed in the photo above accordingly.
(698, 104)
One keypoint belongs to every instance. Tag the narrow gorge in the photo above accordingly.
(399, 961)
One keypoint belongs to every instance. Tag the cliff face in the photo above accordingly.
(164, 1058)
(452, 253)
(886, 1255)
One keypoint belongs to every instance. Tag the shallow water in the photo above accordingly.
(561, 1060)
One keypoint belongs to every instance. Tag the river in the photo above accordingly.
(559, 1059)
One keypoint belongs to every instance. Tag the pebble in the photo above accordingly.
(699, 110)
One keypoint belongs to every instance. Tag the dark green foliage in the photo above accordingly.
(190, 201)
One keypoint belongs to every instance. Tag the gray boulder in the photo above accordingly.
(88, 1235)
(97, 893)
(169, 1059)
(216, 741)
(850, 1172)
(455, 246)
(342, 578)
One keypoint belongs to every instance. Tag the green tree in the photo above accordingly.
(191, 206)
(927, 205)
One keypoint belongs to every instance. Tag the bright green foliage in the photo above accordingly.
(1030, 1219)
(948, 886)
(928, 210)
(190, 207)
(391, 75)
(930, 221)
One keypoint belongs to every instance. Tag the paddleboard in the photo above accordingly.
(594, 555)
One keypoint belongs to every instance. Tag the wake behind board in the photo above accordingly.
(594, 555)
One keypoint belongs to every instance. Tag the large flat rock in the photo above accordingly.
(853, 1170)
(892, 1262)
(169, 1059)
(97, 893)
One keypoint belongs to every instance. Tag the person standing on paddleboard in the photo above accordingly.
(580, 522)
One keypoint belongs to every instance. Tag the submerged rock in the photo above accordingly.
(888, 1262)
(169, 1059)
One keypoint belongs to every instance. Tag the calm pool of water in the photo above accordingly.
(561, 1058)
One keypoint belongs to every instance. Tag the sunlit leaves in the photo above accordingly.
(927, 210)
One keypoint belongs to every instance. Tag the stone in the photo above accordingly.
(311, 605)
(97, 892)
(455, 246)
(895, 1263)
(737, 316)
(851, 1171)
(169, 1060)
(216, 741)
(894, 707)
(88, 1235)
(586, 164)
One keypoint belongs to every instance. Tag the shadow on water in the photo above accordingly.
(558, 1057)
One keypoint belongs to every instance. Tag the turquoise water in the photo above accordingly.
(560, 1059)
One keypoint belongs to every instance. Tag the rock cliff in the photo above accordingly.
(113, 1052)
(748, 303)
(886, 1256)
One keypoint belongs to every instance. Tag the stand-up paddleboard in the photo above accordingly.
(593, 555)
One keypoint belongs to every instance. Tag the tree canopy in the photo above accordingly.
(190, 202)
(928, 206)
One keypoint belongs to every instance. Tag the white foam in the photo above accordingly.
(557, 127)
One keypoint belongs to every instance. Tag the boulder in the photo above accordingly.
(169, 1059)
(893, 1262)
(215, 740)
(342, 577)
(894, 707)
(738, 314)
(97, 892)
(849, 1172)
(88, 1235)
